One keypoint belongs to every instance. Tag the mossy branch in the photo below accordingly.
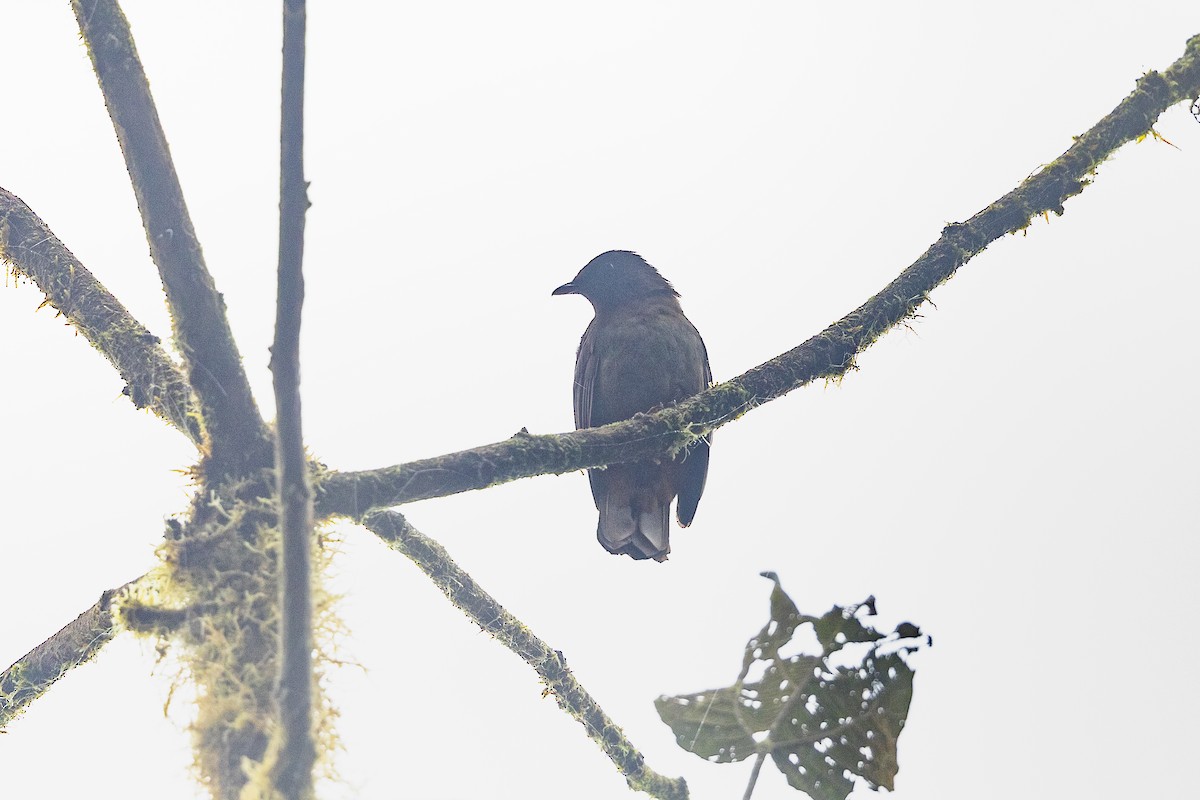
(78, 642)
(152, 380)
(237, 437)
(829, 354)
(466, 595)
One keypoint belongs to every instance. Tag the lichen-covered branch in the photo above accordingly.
(237, 438)
(151, 379)
(829, 354)
(291, 773)
(482, 608)
(78, 642)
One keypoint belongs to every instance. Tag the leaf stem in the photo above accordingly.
(758, 762)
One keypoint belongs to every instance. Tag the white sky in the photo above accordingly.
(1016, 473)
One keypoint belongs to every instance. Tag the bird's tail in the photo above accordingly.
(637, 526)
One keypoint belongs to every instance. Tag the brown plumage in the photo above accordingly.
(639, 353)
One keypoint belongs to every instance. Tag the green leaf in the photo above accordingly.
(778, 631)
(707, 724)
(821, 724)
(840, 626)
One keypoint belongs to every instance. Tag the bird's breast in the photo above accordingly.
(646, 358)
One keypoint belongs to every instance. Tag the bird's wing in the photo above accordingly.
(586, 372)
(693, 471)
(585, 377)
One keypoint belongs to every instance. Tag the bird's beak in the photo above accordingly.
(566, 288)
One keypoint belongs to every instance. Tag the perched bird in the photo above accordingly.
(638, 354)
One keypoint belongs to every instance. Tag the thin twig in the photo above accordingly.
(77, 642)
(292, 773)
(151, 378)
(488, 614)
(829, 354)
(238, 439)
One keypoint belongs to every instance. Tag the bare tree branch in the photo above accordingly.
(829, 354)
(466, 595)
(292, 771)
(151, 378)
(78, 642)
(236, 433)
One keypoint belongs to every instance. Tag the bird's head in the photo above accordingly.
(617, 277)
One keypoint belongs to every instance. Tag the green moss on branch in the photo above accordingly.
(151, 378)
(829, 354)
(466, 595)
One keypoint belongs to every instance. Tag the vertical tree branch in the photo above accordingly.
(236, 434)
(292, 773)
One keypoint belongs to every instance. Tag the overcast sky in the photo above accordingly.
(1016, 471)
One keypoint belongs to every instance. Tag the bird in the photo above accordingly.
(638, 354)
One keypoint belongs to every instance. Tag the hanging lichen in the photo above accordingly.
(215, 598)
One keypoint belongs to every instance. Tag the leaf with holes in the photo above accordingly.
(822, 723)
